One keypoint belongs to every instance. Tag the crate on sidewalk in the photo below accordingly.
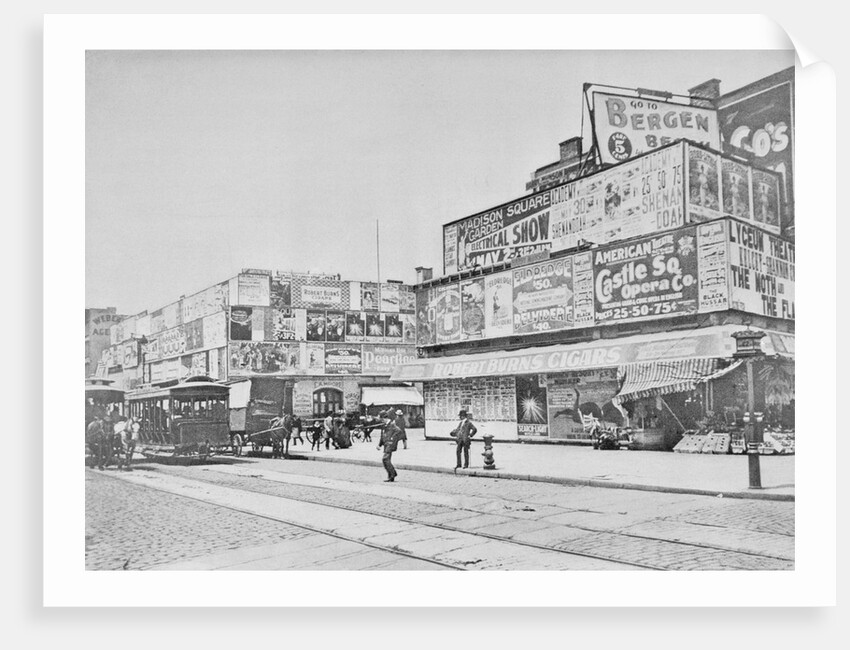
(717, 443)
(691, 443)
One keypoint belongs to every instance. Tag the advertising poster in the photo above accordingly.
(283, 324)
(766, 200)
(172, 342)
(647, 278)
(498, 305)
(316, 325)
(189, 309)
(315, 358)
(393, 330)
(131, 354)
(213, 369)
(762, 267)
(355, 326)
(583, 302)
(426, 316)
(503, 233)
(281, 292)
(300, 324)
(212, 300)
(255, 357)
(374, 326)
(381, 359)
(531, 410)
(735, 184)
(543, 296)
(157, 323)
(151, 350)
(194, 335)
(354, 296)
(369, 296)
(389, 297)
(198, 364)
(757, 123)
(335, 325)
(448, 313)
(321, 296)
(450, 249)
(171, 315)
(258, 324)
(215, 330)
(472, 308)
(712, 263)
(642, 197)
(241, 319)
(343, 359)
(627, 126)
(587, 391)
(406, 300)
(703, 185)
(408, 325)
(253, 290)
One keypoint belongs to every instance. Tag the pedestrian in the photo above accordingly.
(463, 437)
(108, 445)
(96, 441)
(328, 430)
(296, 431)
(131, 437)
(400, 423)
(390, 435)
(117, 441)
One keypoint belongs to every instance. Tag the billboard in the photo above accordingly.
(703, 185)
(253, 290)
(649, 278)
(426, 316)
(448, 313)
(582, 391)
(757, 123)
(215, 330)
(393, 328)
(712, 262)
(498, 305)
(369, 296)
(283, 324)
(355, 326)
(737, 189)
(641, 197)
(762, 272)
(498, 235)
(472, 308)
(389, 297)
(241, 319)
(626, 126)
(194, 335)
(766, 203)
(281, 292)
(316, 325)
(264, 358)
(343, 359)
(531, 406)
(382, 359)
(374, 326)
(335, 323)
(542, 296)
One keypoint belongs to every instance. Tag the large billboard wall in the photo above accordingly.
(656, 192)
(711, 266)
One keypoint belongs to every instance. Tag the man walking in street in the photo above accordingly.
(96, 440)
(463, 436)
(400, 423)
(390, 435)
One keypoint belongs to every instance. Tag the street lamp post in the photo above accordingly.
(748, 347)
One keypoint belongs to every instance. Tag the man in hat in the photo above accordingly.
(400, 423)
(390, 435)
(463, 436)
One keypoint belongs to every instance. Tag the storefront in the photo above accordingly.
(654, 381)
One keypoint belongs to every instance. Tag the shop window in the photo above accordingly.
(326, 400)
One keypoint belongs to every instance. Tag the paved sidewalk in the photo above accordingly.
(641, 470)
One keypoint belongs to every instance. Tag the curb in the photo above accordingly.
(763, 496)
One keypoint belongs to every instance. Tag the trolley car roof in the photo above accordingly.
(189, 389)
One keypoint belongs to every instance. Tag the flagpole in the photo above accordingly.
(378, 247)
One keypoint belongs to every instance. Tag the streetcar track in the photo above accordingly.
(694, 545)
(444, 527)
(313, 529)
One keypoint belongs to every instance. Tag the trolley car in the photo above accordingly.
(186, 419)
(102, 398)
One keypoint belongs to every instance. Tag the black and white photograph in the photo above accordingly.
(599, 246)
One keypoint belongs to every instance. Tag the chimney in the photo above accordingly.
(423, 274)
(704, 94)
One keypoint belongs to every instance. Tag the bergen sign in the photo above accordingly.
(626, 126)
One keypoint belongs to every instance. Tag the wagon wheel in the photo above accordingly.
(236, 445)
(256, 446)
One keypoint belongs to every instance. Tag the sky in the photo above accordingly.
(201, 163)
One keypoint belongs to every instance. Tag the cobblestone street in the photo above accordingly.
(259, 513)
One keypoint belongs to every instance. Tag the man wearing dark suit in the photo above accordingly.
(463, 436)
(390, 436)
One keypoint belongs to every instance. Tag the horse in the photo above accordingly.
(281, 435)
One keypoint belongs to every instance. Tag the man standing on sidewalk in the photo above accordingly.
(463, 436)
(390, 436)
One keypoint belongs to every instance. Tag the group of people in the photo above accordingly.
(112, 438)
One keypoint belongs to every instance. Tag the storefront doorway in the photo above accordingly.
(327, 400)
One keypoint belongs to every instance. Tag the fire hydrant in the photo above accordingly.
(489, 463)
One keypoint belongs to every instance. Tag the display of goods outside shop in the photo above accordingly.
(776, 441)
(713, 442)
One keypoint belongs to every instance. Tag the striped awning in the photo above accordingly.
(646, 379)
